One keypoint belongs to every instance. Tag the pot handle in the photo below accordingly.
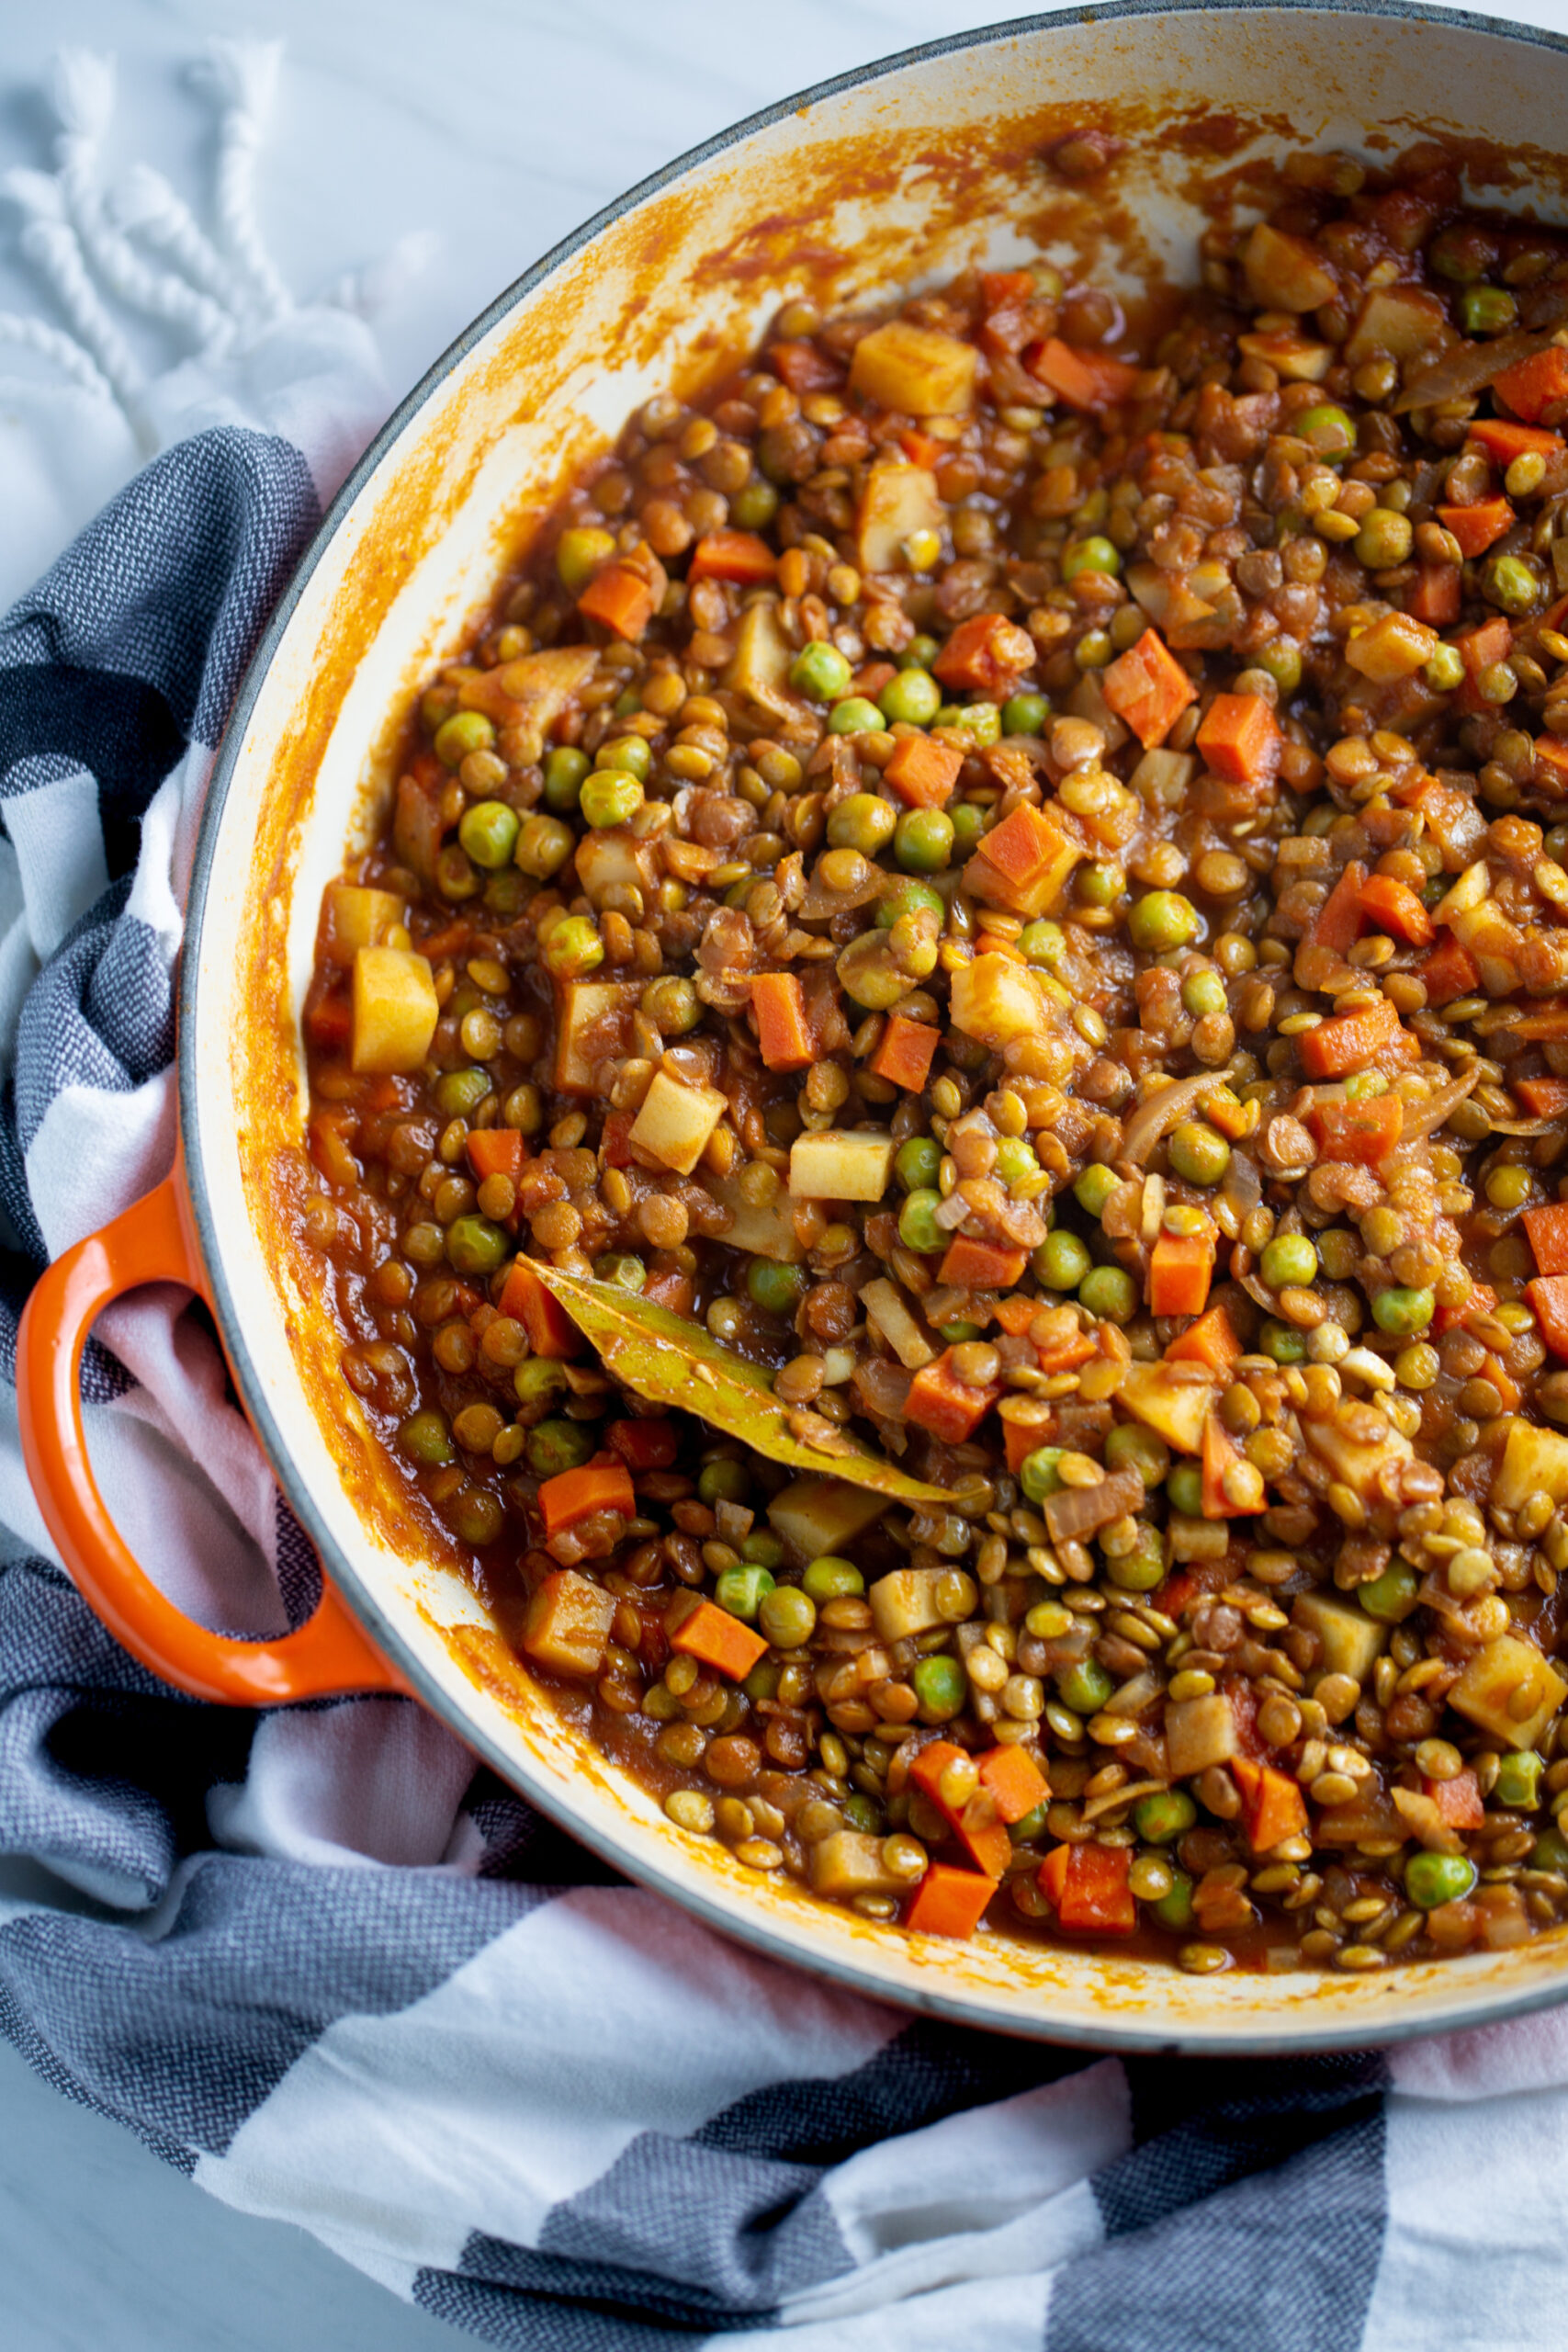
(328, 1656)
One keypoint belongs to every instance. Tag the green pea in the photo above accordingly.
(913, 696)
(1445, 671)
(1185, 1487)
(777, 1289)
(1090, 555)
(1288, 1261)
(425, 1439)
(489, 832)
(968, 824)
(631, 753)
(1204, 993)
(918, 1228)
(579, 555)
(787, 1616)
(1041, 1474)
(1400, 1310)
(1462, 256)
(544, 845)
(763, 1548)
(1043, 941)
(1280, 660)
(623, 1271)
(1141, 1568)
(565, 768)
(505, 895)
(1025, 714)
(1431, 1878)
(465, 731)
(906, 895)
(1130, 1446)
(1162, 920)
(1161, 1820)
(864, 1812)
(1094, 649)
(982, 722)
(555, 1446)
(1095, 1186)
(918, 1163)
(956, 1333)
(941, 1687)
(573, 948)
(1330, 431)
(454, 875)
(672, 1005)
(1015, 1161)
(755, 506)
(1390, 1597)
(920, 653)
(723, 1482)
(854, 716)
(477, 1515)
(1085, 1686)
(625, 704)
(1510, 582)
(1487, 309)
(1364, 1086)
(1175, 1910)
(1385, 539)
(1061, 1261)
(475, 1246)
(820, 671)
(1100, 886)
(864, 821)
(1518, 1780)
(1281, 1342)
(743, 1590)
(831, 1578)
(536, 1378)
(1199, 1152)
(1549, 1851)
(610, 797)
(1031, 1825)
(922, 841)
(459, 1092)
(1111, 1292)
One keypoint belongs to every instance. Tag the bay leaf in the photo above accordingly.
(662, 1357)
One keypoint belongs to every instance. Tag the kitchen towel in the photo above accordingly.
(313, 1959)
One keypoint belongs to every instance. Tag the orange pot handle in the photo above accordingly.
(152, 1243)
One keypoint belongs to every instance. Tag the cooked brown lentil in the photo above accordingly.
(1021, 885)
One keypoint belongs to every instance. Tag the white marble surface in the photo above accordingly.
(498, 124)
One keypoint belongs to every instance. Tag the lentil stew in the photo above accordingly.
(1019, 884)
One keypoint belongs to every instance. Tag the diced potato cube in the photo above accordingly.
(1168, 597)
(395, 1008)
(1392, 648)
(1352, 1641)
(821, 1516)
(765, 1232)
(1198, 1539)
(611, 860)
(994, 1000)
(919, 371)
(1369, 1814)
(1161, 778)
(1285, 273)
(760, 667)
(675, 1122)
(1355, 1464)
(1404, 321)
(904, 1603)
(1510, 1691)
(850, 1862)
(357, 918)
(1175, 1409)
(842, 1164)
(1197, 1733)
(536, 688)
(1289, 355)
(593, 1023)
(885, 1309)
(897, 501)
(568, 1623)
(1535, 1462)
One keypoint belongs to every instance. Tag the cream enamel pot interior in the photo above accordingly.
(883, 181)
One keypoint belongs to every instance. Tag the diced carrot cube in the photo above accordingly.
(1013, 1780)
(1181, 1267)
(622, 599)
(1533, 385)
(939, 1401)
(1450, 971)
(1147, 688)
(1548, 1231)
(740, 556)
(1272, 1806)
(949, 1902)
(1088, 1885)
(804, 367)
(1338, 922)
(1085, 379)
(923, 772)
(551, 1331)
(579, 1493)
(1480, 648)
(1363, 1132)
(496, 1151)
(1026, 859)
(1476, 528)
(1211, 1340)
(976, 1822)
(1543, 1098)
(1220, 1454)
(986, 654)
(905, 1053)
(1020, 1439)
(646, 1444)
(1503, 441)
(711, 1635)
(1435, 595)
(1552, 753)
(1459, 1800)
(1394, 907)
(783, 1033)
(1349, 1041)
(1240, 739)
(981, 1265)
(923, 448)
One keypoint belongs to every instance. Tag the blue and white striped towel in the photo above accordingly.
(317, 1964)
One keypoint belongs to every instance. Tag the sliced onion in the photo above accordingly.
(1471, 366)
(1526, 1126)
(1242, 1185)
(1153, 1120)
(1425, 1118)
